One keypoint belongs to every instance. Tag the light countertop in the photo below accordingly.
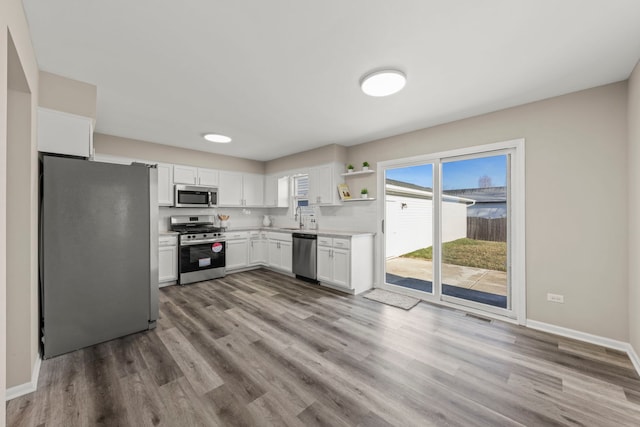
(328, 233)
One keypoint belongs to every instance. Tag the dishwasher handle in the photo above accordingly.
(305, 236)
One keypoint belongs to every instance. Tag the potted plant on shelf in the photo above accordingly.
(364, 193)
(350, 168)
(365, 166)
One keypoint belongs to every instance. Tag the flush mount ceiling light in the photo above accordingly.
(214, 137)
(383, 83)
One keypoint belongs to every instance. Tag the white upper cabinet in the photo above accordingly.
(191, 175)
(64, 133)
(323, 184)
(165, 184)
(185, 175)
(276, 191)
(240, 189)
(253, 189)
(230, 190)
(208, 177)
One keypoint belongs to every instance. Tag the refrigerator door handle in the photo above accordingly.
(153, 247)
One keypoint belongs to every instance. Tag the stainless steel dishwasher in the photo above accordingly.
(304, 256)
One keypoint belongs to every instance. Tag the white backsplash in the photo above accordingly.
(356, 216)
(239, 217)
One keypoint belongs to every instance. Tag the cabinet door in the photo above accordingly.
(274, 253)
(185, 175)
(283, 192)
(230, 189)
(286, 256)
(64, 133)
(167, 263)
(257, 251)
(253, 190)
(271, 191)
(341, 261)
(325, 273)
(276, 191)
(208, 177)
(236, 255)
(322, 185)
(165, 184)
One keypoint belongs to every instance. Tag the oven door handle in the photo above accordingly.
(201, 242)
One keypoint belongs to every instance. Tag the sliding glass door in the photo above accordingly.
(448, 231)
(474, 230)
(409, 226)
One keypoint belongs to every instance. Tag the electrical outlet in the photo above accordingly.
(555, 298)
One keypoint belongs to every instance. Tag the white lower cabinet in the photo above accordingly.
(280, 251)
(237, 251)
(167, 260)
(338, 269)
(257, 248)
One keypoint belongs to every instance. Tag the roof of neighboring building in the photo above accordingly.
(402, 188)
(481, 195)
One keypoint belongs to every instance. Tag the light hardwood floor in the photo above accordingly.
(258, 348)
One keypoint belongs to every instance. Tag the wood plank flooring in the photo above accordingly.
(258, 348)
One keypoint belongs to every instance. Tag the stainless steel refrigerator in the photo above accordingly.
(98, 252)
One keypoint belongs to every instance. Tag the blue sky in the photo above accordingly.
(456, 175)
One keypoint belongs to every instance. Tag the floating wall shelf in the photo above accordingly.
(358, 173)
(359, 199)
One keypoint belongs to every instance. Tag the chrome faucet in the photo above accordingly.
(298, 217)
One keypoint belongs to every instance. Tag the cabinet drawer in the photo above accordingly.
(341, 243)
(325, 241)
(168, 240)
(236, 235)
(285, 237)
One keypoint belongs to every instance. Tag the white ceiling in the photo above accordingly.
(281, 76)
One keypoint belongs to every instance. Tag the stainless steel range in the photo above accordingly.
(202, 248)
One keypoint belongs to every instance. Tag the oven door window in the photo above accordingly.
(202, 257)
(193, 197)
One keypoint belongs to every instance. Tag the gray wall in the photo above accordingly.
(323, 155)
(634, 208)
(576, 156)
(18, 91)
(136, 149)
(68, 95)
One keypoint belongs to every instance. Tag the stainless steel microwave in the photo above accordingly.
(195, 196)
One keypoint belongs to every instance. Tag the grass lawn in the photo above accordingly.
(470, 253)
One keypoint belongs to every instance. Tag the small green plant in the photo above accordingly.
(365, 164)
(364, 191)
(350, 167)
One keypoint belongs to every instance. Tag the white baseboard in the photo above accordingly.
(634, 358)
(589, 338)
(26, 388)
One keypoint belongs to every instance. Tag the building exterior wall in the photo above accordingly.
(409, 224)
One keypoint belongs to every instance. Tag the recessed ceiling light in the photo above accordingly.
(214, 137)
(383, 83)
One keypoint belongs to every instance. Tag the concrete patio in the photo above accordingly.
(478, 279)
